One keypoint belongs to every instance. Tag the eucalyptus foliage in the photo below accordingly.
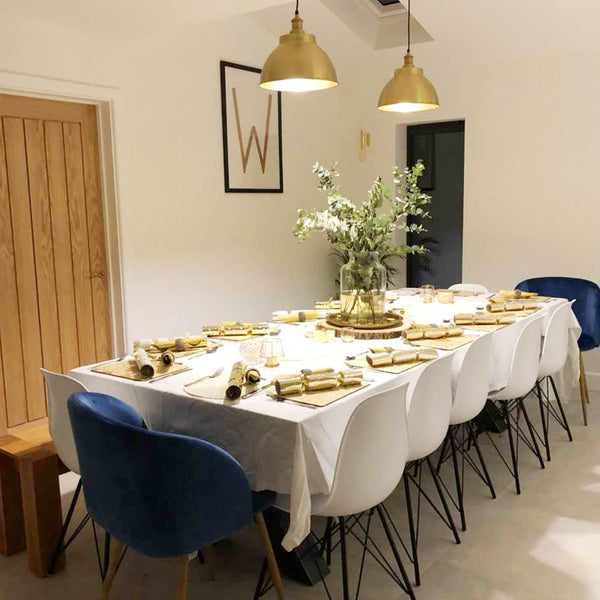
(364, 228)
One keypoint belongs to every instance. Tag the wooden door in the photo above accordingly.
(54, 302)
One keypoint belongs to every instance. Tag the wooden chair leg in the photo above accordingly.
(117, 549)
(209, 561)
(585, 385)
(273, 568)
(583, 389)
(184, 562)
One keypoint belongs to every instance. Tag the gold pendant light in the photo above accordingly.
(408, 90)
(298, 64)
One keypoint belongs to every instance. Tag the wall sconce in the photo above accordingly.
(365, 142)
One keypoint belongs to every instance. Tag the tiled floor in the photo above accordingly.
(544, 544)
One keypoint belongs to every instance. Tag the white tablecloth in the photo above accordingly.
(285, 447)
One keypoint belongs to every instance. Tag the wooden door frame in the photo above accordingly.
(106, 99)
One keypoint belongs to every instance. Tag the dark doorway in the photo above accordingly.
(441, 147)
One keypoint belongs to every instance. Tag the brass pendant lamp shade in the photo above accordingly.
(298, 64)
(408, 90)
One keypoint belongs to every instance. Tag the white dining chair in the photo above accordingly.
(60, 387)
(470, 387)
(555, 349)
(429, 406)
(370, 464)
(523, 377)
(469, 287)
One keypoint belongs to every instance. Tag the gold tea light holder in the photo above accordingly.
(271, 350)
(427, 292)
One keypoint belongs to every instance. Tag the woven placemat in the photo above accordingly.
(489, 328)
(461, 293)
(518, 313)
(394, 369)
(531, 300)
(320, 398)
(128, 369)
(235, 338)
(449, 343)
(185, 353)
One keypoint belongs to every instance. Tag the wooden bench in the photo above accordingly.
(30, 506)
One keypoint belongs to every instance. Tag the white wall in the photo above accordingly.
(532, 149)
(192, 254)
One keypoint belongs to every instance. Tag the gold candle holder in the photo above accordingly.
(272, 351)
(427, 294)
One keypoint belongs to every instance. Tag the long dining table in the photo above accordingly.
(286, 447)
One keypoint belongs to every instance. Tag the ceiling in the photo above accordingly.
(470, 30)
(380, 27)
(482, 30)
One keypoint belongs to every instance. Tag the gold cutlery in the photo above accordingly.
(168, 375)
(260, 389)
(203, 352)
(215, 374)
(291, 401)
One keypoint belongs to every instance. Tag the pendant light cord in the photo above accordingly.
(408, 49)
(297, 6)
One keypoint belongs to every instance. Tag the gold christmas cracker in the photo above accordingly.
(432, 333)
(167, 357)
(236, 381)
(252, 376)
(144, 363)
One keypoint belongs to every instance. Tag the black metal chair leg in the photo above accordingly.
(344, 558)
(440, 492)
(481, 460)
(63, 534)
(328, 540)
(545, 423)
(394, 548)
(459, 490)
(560, 408)
(411, 528)
(442, 453)
(326, 535)
(538, 452)
(511, 442)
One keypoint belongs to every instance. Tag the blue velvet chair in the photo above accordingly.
(164, 495)
(586, 308)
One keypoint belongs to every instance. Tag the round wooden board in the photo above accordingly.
(390, 321)
(369, 334)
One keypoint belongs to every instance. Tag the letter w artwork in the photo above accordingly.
(262, 150)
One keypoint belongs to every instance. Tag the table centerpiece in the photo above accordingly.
(366, 236)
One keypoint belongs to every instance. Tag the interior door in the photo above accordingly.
(54, 300)
(441, 146)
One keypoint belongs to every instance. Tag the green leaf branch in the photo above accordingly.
(358, 228)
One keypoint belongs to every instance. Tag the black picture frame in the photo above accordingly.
(224, 65)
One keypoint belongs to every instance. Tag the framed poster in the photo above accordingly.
(252, 145)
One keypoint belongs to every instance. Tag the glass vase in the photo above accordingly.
(362, 289)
